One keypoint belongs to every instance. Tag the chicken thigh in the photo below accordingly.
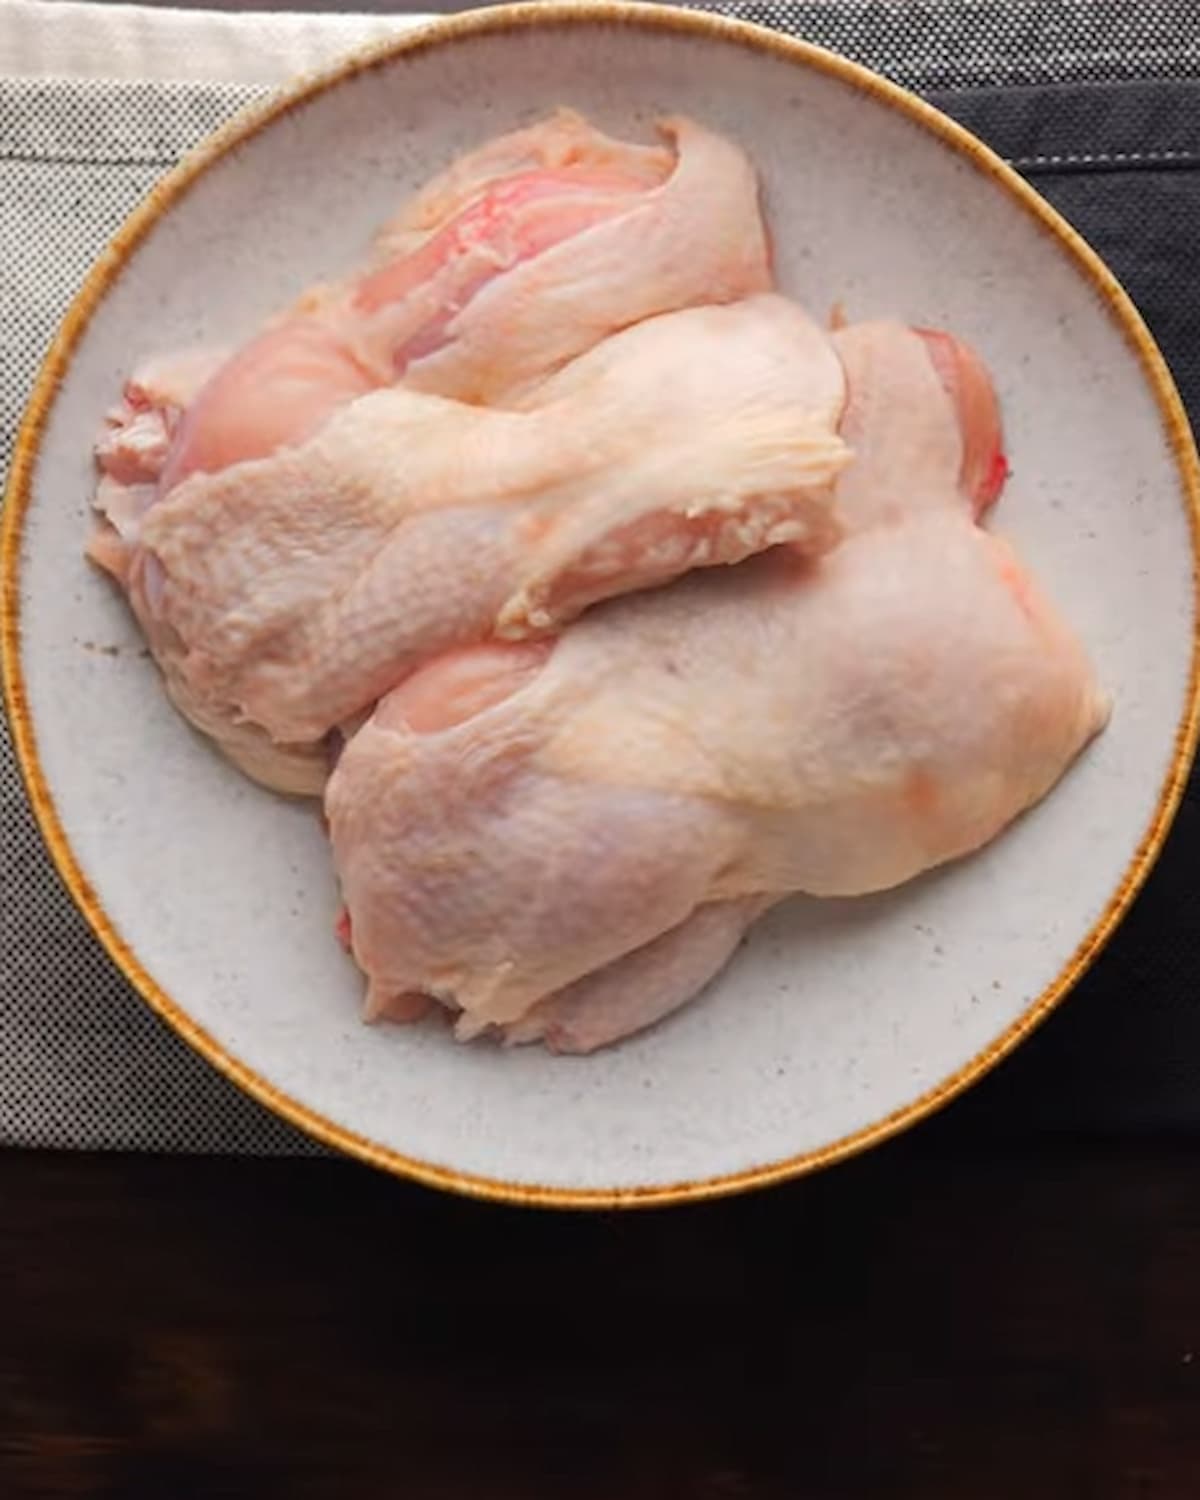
(289, 592)
(522, 255)
(567, 840)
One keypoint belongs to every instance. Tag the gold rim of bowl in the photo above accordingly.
(448, 33)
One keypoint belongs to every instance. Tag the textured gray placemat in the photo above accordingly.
(82, 1061)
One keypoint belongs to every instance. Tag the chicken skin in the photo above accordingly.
(568, 841)
(290, 592)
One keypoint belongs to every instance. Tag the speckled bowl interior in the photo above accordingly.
(839, 1020)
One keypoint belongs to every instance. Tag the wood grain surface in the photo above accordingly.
(992, 1323)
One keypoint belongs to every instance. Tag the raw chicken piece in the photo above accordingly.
(650, 231)
(581, 855)
(521, 256)
(133, 447)
(291, 591)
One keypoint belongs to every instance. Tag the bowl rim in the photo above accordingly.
(447, 32)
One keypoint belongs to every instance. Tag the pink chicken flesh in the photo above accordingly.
(565, 843)
(291, 591)
(555, 218)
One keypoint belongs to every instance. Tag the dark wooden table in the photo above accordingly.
(940, 1319)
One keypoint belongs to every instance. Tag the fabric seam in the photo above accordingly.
(1120, 160)
(1117, 159)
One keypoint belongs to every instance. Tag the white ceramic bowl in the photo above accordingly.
(840, 1022)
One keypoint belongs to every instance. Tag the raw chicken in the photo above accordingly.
(521, 256)
(562, 378)
(290, 592)
(568, 842)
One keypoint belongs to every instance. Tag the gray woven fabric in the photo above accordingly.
(941, 44)
(82, 1061)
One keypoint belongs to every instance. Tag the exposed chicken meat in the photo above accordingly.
(289, 592)
(685, 757)
(648, 232)
(133, 447)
